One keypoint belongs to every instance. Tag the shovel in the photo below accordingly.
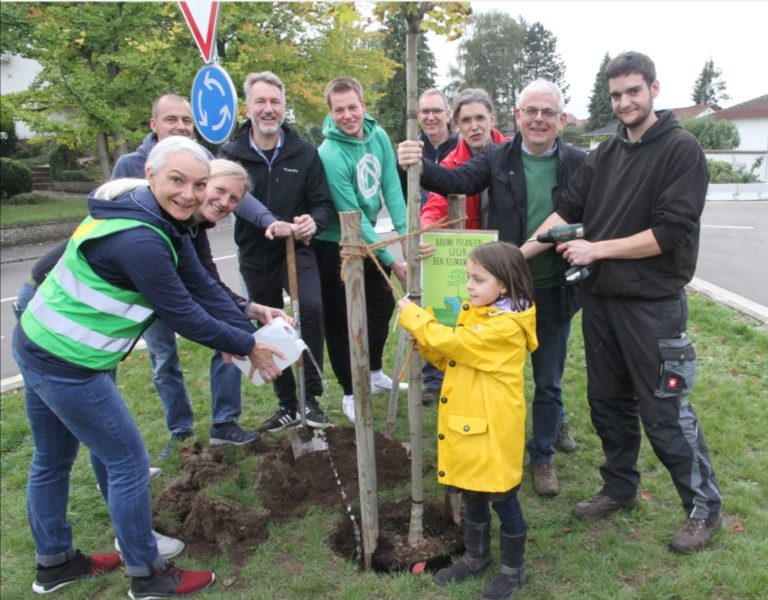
(315, 441)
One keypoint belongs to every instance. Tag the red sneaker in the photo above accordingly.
(170, 582)
(80, 566)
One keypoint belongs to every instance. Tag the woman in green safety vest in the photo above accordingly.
(130, 260)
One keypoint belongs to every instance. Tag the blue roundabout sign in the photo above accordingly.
(214, 103)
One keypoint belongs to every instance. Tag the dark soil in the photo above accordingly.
(289, 488)
(286, 489)
(442, 539)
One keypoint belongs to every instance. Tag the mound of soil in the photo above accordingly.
(287, 488)
(442, 539)
(290, 487)
(209, 524)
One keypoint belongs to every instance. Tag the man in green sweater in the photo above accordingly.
(361, 169)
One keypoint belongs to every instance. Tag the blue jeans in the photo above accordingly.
(552, 329)
(508, 509)
(62, 413)
(225, 390)
(433, 377)
(169, 382)
(26, 291)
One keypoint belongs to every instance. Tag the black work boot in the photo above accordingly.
(511, 571)
(477, 557)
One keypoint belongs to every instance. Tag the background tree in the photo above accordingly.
(600, 111)
(102, 62)
(391, 108)
(709, 87)
(541, 58)
(502, 55)
(491, 57)
(712, 134)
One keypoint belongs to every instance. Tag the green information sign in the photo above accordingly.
(444, 274)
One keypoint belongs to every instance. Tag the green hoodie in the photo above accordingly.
(360, 174)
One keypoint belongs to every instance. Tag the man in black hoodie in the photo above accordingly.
(640, 196)
(289, 179)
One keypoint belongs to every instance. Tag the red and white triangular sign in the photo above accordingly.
(202, 16)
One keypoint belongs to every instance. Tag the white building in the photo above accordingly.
(16, 75)
(751, 119)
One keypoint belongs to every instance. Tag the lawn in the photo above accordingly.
(624, 557)
(37, 208)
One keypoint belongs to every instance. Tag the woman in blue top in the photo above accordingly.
(127, 262)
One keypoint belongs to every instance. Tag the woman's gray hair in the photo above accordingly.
(542, 86)
(117, 187)
(470, 96)
(174, 144)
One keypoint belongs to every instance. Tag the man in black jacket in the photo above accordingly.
(525, 178)
(640, 196)
(289, 179)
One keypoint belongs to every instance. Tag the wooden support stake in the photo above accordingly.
(357, 323)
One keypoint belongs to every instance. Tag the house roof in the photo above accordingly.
(573, 120)
(755, 108)
(609, 129)
(697, 110)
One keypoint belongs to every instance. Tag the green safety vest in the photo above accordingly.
(81, 318)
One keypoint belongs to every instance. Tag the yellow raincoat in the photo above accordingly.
(481, 412)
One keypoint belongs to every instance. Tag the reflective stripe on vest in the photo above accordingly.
(98, 300)
(80, 317)
(74, 331)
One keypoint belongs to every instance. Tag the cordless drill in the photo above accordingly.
(566, 233)
(561, 233)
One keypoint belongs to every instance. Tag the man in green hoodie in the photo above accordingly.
(361, 168)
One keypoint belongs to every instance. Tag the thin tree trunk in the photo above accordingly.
(416, 528)
(103, 153)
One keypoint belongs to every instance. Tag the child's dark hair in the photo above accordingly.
(507, 264)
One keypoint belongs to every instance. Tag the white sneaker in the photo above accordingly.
(382, 384)
(167, 547)
(348, 405)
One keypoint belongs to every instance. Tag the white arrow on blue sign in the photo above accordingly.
(214, 103)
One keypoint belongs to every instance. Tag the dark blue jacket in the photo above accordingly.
(186, 298)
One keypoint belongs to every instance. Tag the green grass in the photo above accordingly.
(624, 557)
(43, 207)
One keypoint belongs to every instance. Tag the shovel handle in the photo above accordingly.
(293, 292)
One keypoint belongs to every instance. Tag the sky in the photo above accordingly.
(679, 36)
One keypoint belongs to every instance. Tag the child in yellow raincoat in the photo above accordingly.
(481, 411)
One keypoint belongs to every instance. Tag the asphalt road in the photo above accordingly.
(733, 255)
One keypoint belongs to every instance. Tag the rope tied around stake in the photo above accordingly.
(363, 250)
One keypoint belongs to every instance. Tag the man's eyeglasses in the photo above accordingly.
(431, 111)
(547, 113)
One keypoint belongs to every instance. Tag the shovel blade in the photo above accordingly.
(316, 442)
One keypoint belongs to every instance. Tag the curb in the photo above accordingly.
(11, 237)
(726, 298)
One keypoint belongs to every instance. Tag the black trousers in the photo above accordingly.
(379, 305)
(641, 367)
(266, 287)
